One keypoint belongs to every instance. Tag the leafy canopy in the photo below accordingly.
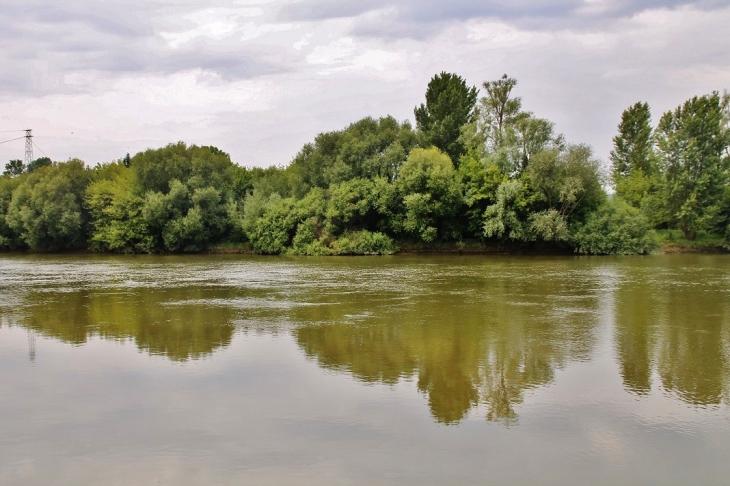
(450, 104)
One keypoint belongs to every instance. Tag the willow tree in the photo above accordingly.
(498, 110)
(47, 210)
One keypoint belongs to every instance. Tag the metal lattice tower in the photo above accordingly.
(28, 147)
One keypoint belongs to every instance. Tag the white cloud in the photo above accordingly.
(303, 42)
(237, 76)
(252, 31)
(213, 23)
(495, 35)
(335, 52)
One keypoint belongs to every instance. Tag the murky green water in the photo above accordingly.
(394, 370)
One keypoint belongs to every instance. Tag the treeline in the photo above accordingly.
(677, 172)
(473, 169)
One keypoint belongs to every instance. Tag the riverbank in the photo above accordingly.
(666, 245)
(673, 241)
(406, 247)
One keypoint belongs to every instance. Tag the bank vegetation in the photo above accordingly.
(475, 172)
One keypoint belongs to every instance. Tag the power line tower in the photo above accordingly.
(28, 147)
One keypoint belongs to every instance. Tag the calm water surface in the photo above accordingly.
(393, 370)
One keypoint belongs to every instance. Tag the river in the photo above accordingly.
(375, 370)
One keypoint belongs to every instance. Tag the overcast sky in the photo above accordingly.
(259, 78)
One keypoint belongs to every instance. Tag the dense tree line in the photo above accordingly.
(473, 169)
(677, 172)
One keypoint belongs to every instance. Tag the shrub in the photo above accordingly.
(615, 228)
(363, 243)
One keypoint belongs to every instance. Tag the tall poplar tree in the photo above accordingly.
(633, 147)
(693, 141)
(633, 157)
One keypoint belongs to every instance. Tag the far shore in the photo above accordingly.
(450, 248)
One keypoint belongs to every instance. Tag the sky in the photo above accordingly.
(260, 78)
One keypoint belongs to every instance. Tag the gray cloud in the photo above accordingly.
(328, 9)
(413, 16)
(45, 42)
(104, 24)
(110, 72)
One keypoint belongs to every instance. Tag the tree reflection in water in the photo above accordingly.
(674, 323)
(485, 347)
(175, 323)
(489, 344)
(467, 336)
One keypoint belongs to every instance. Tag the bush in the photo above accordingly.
(363, 243)
(46, 209)
(431, 194)
(9, 239)
(116, 213)
(615, 228)
(273, 232)
(309, 239)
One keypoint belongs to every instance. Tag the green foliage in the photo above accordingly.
(274, 180)
(46, 208)
(568, 181)
(615, 228)
(272, 233)
(479, 180)
(635, 187)
(450, 104)
(38, 163)
(195, 222)
(310, 239)
(186, 218)
(501, 173)
(511, 137)
(548, 225)
(197, 166)
(352, 204)
(116, 212)
(528, 136)
(14, 168)
(505, 219)
(363, 242)
(633, 147)
(242, 180)
(186, 196)
(366, 149)
(633, 158)
(498, 110)
(431, 194)
(9, 238)
(254, 208)
(693, 142)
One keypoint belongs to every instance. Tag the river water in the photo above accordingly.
(379, 370)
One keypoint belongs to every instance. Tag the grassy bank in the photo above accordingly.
(673, 241)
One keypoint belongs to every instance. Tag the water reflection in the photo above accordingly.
(466, 339)
(161, 322)
(673, 323)
(475, 335)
